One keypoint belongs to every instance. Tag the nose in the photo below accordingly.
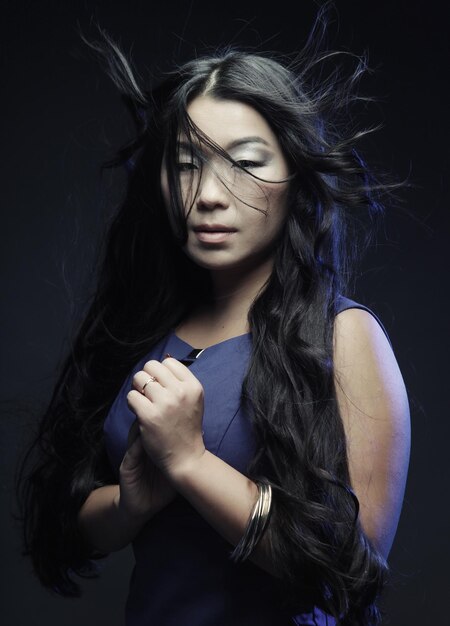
(212, 192)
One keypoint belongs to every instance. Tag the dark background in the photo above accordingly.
(61, 118)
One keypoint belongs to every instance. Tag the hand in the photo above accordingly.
(169, 414)
(144, 490)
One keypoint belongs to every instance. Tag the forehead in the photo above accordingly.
(227, 121)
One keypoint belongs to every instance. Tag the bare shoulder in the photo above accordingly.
(374, 408)
(362, 350)
(356, 330)
(366, 369)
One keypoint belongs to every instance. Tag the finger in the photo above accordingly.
(180, 371)
(163, 375)
(141, 406)
(145, 384)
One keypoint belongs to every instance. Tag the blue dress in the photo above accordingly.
(183, 574)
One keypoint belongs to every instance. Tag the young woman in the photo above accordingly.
(225, 408)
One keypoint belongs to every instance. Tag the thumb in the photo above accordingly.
(134, 454)
(133, 433)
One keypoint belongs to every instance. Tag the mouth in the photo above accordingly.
(214, 236)
(213, 228)
(213, 233)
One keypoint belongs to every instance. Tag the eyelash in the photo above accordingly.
(246, 164)
(243, 163)
(186, 167)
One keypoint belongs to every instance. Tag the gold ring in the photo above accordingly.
(152, 379)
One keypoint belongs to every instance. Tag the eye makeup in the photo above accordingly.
(190, 160)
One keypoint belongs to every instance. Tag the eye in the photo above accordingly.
(186, 166)
(246, 164)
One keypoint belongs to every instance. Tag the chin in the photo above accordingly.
(208, 262)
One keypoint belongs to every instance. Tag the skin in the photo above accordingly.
(258, 209)
(166, 453)
(239, 266)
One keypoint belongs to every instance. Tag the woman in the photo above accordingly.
(224, 407)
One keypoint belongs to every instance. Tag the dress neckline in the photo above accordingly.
(214, 345)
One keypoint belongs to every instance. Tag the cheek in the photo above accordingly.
(165, 186)
(278, 205)
(188, 186)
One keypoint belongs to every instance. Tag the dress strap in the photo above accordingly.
(346, 303)
(190, 358)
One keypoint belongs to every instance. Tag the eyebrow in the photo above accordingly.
(244, 140)
(233, 144)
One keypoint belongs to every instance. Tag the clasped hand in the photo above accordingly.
(169, 413)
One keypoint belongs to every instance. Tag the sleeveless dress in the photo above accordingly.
(183, 574)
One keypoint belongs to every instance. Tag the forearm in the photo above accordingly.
(105, 525)
(224, 498)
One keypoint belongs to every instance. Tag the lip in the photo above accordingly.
(214, 236)
(211, 228)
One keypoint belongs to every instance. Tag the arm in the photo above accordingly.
(102, 523)
(170, 420)
(370, 386)
(374, 409)
(221, 494)
(224, 498)
(113, 515)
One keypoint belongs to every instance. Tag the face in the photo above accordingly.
(233, 219)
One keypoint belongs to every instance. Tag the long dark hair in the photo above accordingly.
(319, 549)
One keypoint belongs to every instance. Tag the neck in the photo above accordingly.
(234, 293)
